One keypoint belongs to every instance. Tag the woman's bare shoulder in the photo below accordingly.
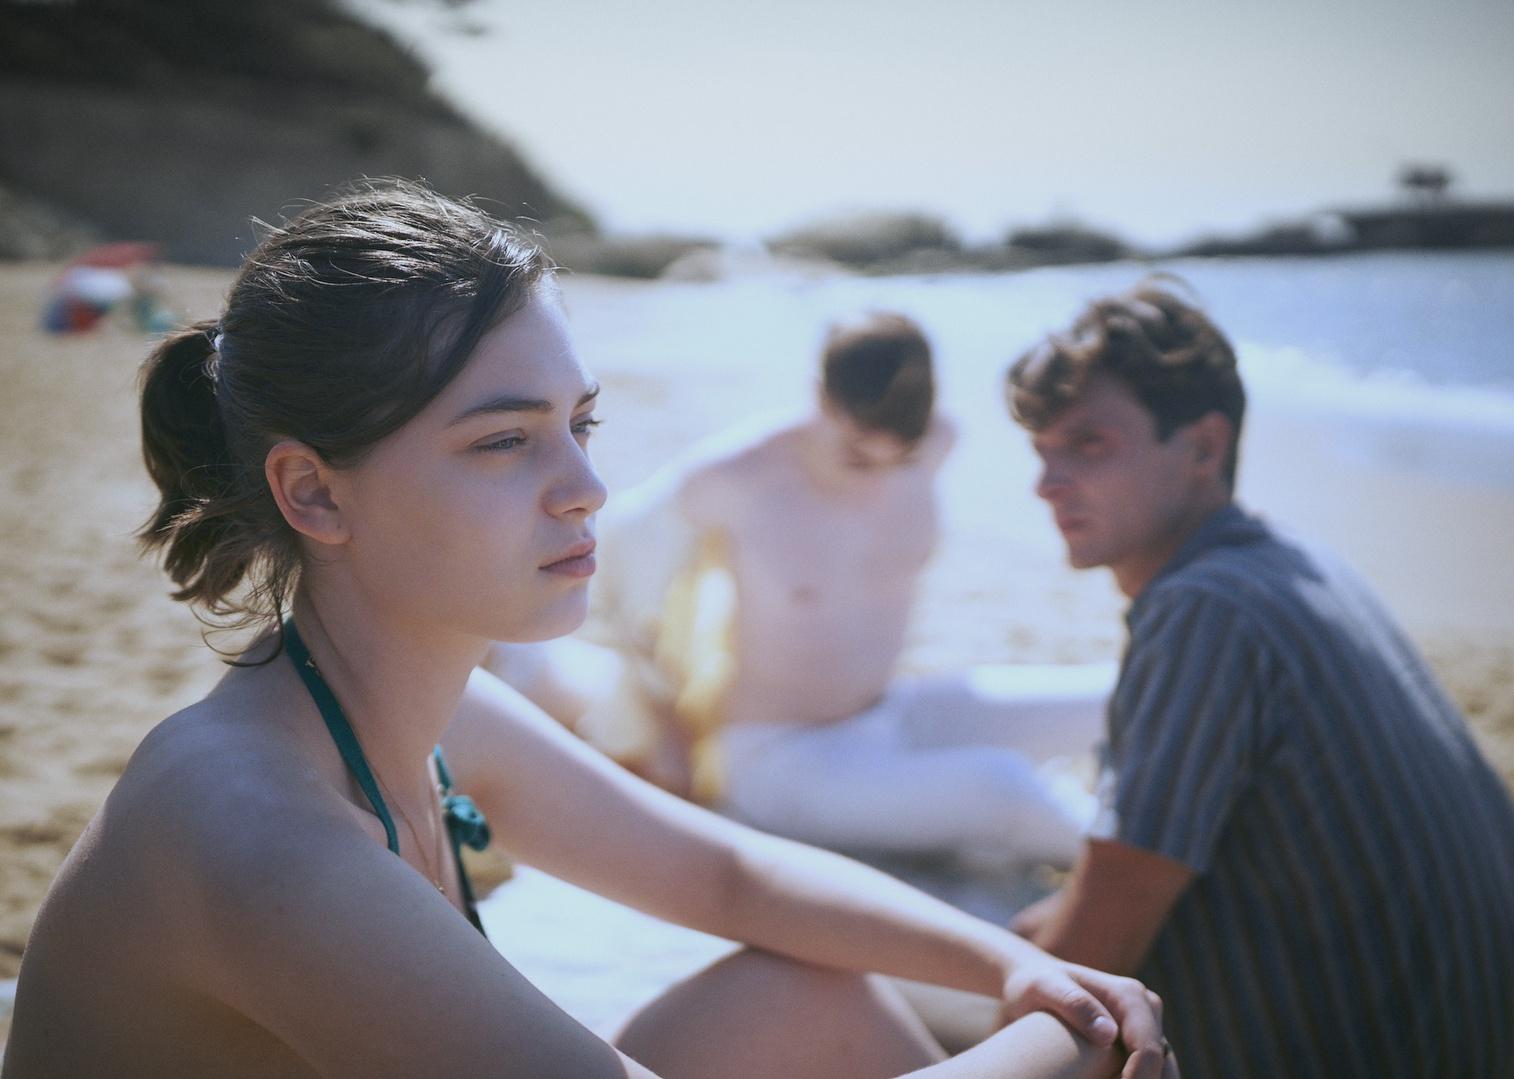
(249, 879)
(191, 827)
(210, 790)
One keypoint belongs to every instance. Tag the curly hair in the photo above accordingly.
(1161, 345)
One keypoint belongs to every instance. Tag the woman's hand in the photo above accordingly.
(1099, 1006)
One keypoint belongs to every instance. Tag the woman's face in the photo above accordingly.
(477, 515)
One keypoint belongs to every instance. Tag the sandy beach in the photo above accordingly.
(93, 653)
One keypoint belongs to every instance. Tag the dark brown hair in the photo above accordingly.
(877, 369)
(1175, 361)
(342, 325)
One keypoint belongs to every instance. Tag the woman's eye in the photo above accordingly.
(585, 425)
(1091, 447)
(508, 442)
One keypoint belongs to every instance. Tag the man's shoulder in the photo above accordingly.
(734, 466)
(1237, 587)
(741, 452)
(1272, 591)
(1253, 564)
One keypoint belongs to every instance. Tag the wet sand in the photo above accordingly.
(93, 653)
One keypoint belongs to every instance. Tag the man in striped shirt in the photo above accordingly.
(1301, 849)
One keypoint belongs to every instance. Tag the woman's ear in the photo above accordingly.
(303, 485)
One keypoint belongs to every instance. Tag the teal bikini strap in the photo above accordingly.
(465, 822)
(341, 731)
(466, 827)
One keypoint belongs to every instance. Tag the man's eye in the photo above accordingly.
(585, 425)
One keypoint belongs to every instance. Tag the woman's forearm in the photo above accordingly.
(821, 907)
(1038, 1046)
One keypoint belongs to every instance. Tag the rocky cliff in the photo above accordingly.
(180, 120)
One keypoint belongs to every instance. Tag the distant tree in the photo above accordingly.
(1425, 183)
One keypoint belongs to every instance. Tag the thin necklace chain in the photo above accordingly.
(415, 836)
(435, 831)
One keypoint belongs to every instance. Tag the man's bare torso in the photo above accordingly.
(826, 564)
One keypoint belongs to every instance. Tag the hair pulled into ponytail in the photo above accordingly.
(213, 521)
(341, 326)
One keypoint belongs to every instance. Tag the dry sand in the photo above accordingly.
(93, 653)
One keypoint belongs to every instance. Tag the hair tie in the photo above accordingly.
(211, 366)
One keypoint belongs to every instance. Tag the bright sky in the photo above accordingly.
(1159, 118)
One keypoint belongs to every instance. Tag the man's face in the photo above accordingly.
(1120, 497)
(862, 449)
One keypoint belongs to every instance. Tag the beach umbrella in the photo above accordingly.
(94, 283)
(118, 256)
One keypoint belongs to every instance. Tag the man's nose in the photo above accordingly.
(1051, 482)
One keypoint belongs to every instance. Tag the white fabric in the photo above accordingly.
(966, 763)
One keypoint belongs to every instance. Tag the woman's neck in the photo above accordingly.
(397, 684)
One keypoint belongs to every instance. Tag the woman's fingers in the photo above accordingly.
(1055, 992)
(1139, 1014)
(1102, 1008)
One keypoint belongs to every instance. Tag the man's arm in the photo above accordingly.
(1184, 737)
(1111, 908)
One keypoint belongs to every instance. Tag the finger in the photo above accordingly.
(1139, 1014)
(1139, 1011)
(1082, 1011)
(1145, 1063)
(1156, 1004)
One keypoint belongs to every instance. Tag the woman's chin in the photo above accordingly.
(559, 621)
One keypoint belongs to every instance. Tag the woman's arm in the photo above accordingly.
(562, 807)
(1037, 1046)
(303, 924)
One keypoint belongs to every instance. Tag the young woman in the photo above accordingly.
(384, 439)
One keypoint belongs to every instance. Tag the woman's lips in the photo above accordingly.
(578, 562)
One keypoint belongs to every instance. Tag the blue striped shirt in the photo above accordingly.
(1353, 909)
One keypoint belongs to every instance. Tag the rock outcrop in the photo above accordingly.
(179, 121)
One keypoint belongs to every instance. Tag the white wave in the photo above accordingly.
(1389, 418)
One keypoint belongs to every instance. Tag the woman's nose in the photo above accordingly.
(578, 489)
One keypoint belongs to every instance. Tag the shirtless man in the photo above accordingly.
(826, 524)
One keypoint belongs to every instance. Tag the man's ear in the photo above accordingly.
(303, 486)
(1210, 435)
(823, 399)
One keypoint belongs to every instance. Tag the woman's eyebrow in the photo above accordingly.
(519, 404)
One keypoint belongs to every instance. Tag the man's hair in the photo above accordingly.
(1175, 361)
(877, 370)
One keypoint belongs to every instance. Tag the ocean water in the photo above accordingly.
(1381, 416)
(1411, 355)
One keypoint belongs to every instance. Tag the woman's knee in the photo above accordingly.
(780, 1016)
